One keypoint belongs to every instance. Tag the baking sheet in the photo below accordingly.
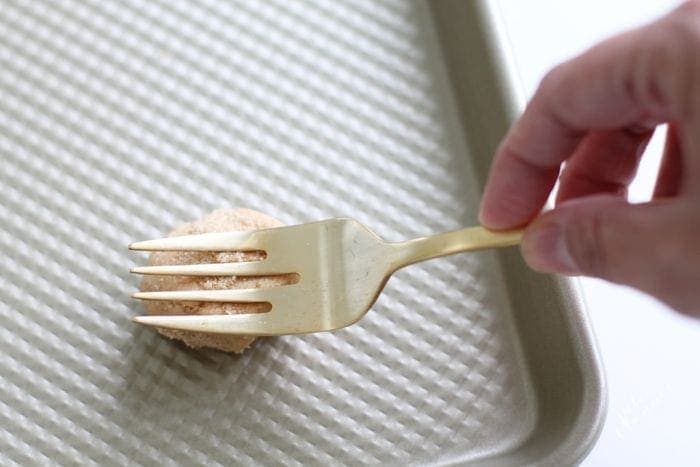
(120, 119)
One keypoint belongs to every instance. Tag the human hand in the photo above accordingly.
(596, 113)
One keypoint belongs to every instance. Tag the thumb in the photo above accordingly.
(648, 246)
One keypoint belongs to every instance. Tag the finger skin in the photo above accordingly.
(604, 162)
(643, 77)
(652, 246)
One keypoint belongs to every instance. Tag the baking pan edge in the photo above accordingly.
(581, 406)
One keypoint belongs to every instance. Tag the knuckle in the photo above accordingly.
(670, 63)
(552, 78)
(675, 252)
(684, 26)
(587, 245)
(670, 280)
(689, 7)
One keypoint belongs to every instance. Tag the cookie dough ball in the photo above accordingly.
(221, 220)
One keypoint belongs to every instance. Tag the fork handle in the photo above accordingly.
(448, 243)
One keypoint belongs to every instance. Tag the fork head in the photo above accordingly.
(341, 266)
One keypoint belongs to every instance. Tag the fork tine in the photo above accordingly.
(249, 323)
(257, 268)
(228, 295)
(218, 241)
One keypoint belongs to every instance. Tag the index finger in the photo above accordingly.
(629, 80)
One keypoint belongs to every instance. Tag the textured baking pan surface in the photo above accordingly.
(121, 119)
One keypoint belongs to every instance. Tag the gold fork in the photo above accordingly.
(342, 267)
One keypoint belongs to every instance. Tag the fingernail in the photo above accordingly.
(544, 247)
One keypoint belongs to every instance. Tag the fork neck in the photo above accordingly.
(448, 243)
